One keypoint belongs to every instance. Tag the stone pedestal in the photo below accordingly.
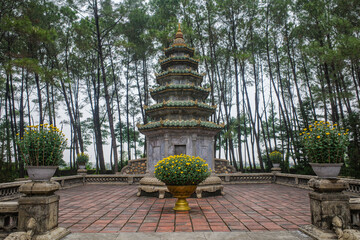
(276, 170)
(81, 172)
(39, 210)
(327, 203)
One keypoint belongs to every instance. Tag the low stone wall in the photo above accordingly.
(10, 191)
(223, 166)
(135, 166)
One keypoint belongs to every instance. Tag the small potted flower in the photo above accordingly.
(325, 145)
(82, 159)
(41, 148)
(275, 158)
(181, 174)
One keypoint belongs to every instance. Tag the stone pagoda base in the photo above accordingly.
(151, 185)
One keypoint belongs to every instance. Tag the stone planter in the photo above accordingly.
(276, 165)
(181, 193)
(82, 166)
(41, 173)
(326, 170)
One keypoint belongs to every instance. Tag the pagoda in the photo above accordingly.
(180, 117)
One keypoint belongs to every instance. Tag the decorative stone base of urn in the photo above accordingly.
(211, 186)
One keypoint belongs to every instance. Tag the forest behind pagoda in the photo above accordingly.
(274, 67)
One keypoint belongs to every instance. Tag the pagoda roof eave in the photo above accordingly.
(180, 124)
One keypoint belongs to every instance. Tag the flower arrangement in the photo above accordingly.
(325, 142)
(82, 158)
(42, 145)
(276, 156)
(182, 170)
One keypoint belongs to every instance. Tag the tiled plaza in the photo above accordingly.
(245, 207)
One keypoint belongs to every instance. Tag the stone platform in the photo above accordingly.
(244, 207)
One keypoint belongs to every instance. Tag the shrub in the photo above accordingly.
(325, 143)
(276, 157)
(82, 158)
(42, 145)
(182, 170)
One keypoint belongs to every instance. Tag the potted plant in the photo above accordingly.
(325, 145)
(82, 159)
(275, 158)
(41, 148)
(181, 174)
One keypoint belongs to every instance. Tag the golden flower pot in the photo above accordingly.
(181, 193)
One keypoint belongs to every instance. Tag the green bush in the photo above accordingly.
(42, 145)
(82, 158)
(182, 170)
(276, 157)
(325, 143)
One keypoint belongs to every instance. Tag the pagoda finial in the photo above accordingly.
(179, 33)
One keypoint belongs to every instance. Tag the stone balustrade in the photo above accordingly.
(10, 191)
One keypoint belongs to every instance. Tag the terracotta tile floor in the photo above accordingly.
(245, 207)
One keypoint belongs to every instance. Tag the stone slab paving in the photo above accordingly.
(245, 207)
(283, 235)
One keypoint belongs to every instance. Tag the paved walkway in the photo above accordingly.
(245, 207)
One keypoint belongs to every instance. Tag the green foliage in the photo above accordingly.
(182, 170)
(82, 158)
(276, 157)
(42, 145)
(325, 143)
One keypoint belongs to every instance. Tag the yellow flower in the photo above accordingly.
(318, 137)
(327, 133)
(181, 172)
(305, 129)
(339, 134)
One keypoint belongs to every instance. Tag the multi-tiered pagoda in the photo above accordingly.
(180, 118)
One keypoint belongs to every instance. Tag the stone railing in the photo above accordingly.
(70, 181)
(119, 179)
(8, 218)
(9, 191)
(235, 178)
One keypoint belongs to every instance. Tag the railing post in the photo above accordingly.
(39, 212)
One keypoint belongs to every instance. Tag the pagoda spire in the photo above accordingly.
(179, 33)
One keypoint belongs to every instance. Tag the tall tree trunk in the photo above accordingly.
(107, 97)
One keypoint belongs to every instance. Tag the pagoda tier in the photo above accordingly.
(180, 124)
(179, 48)
(181, 110)
(179, 91)
(183, 60)
(177, 76)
